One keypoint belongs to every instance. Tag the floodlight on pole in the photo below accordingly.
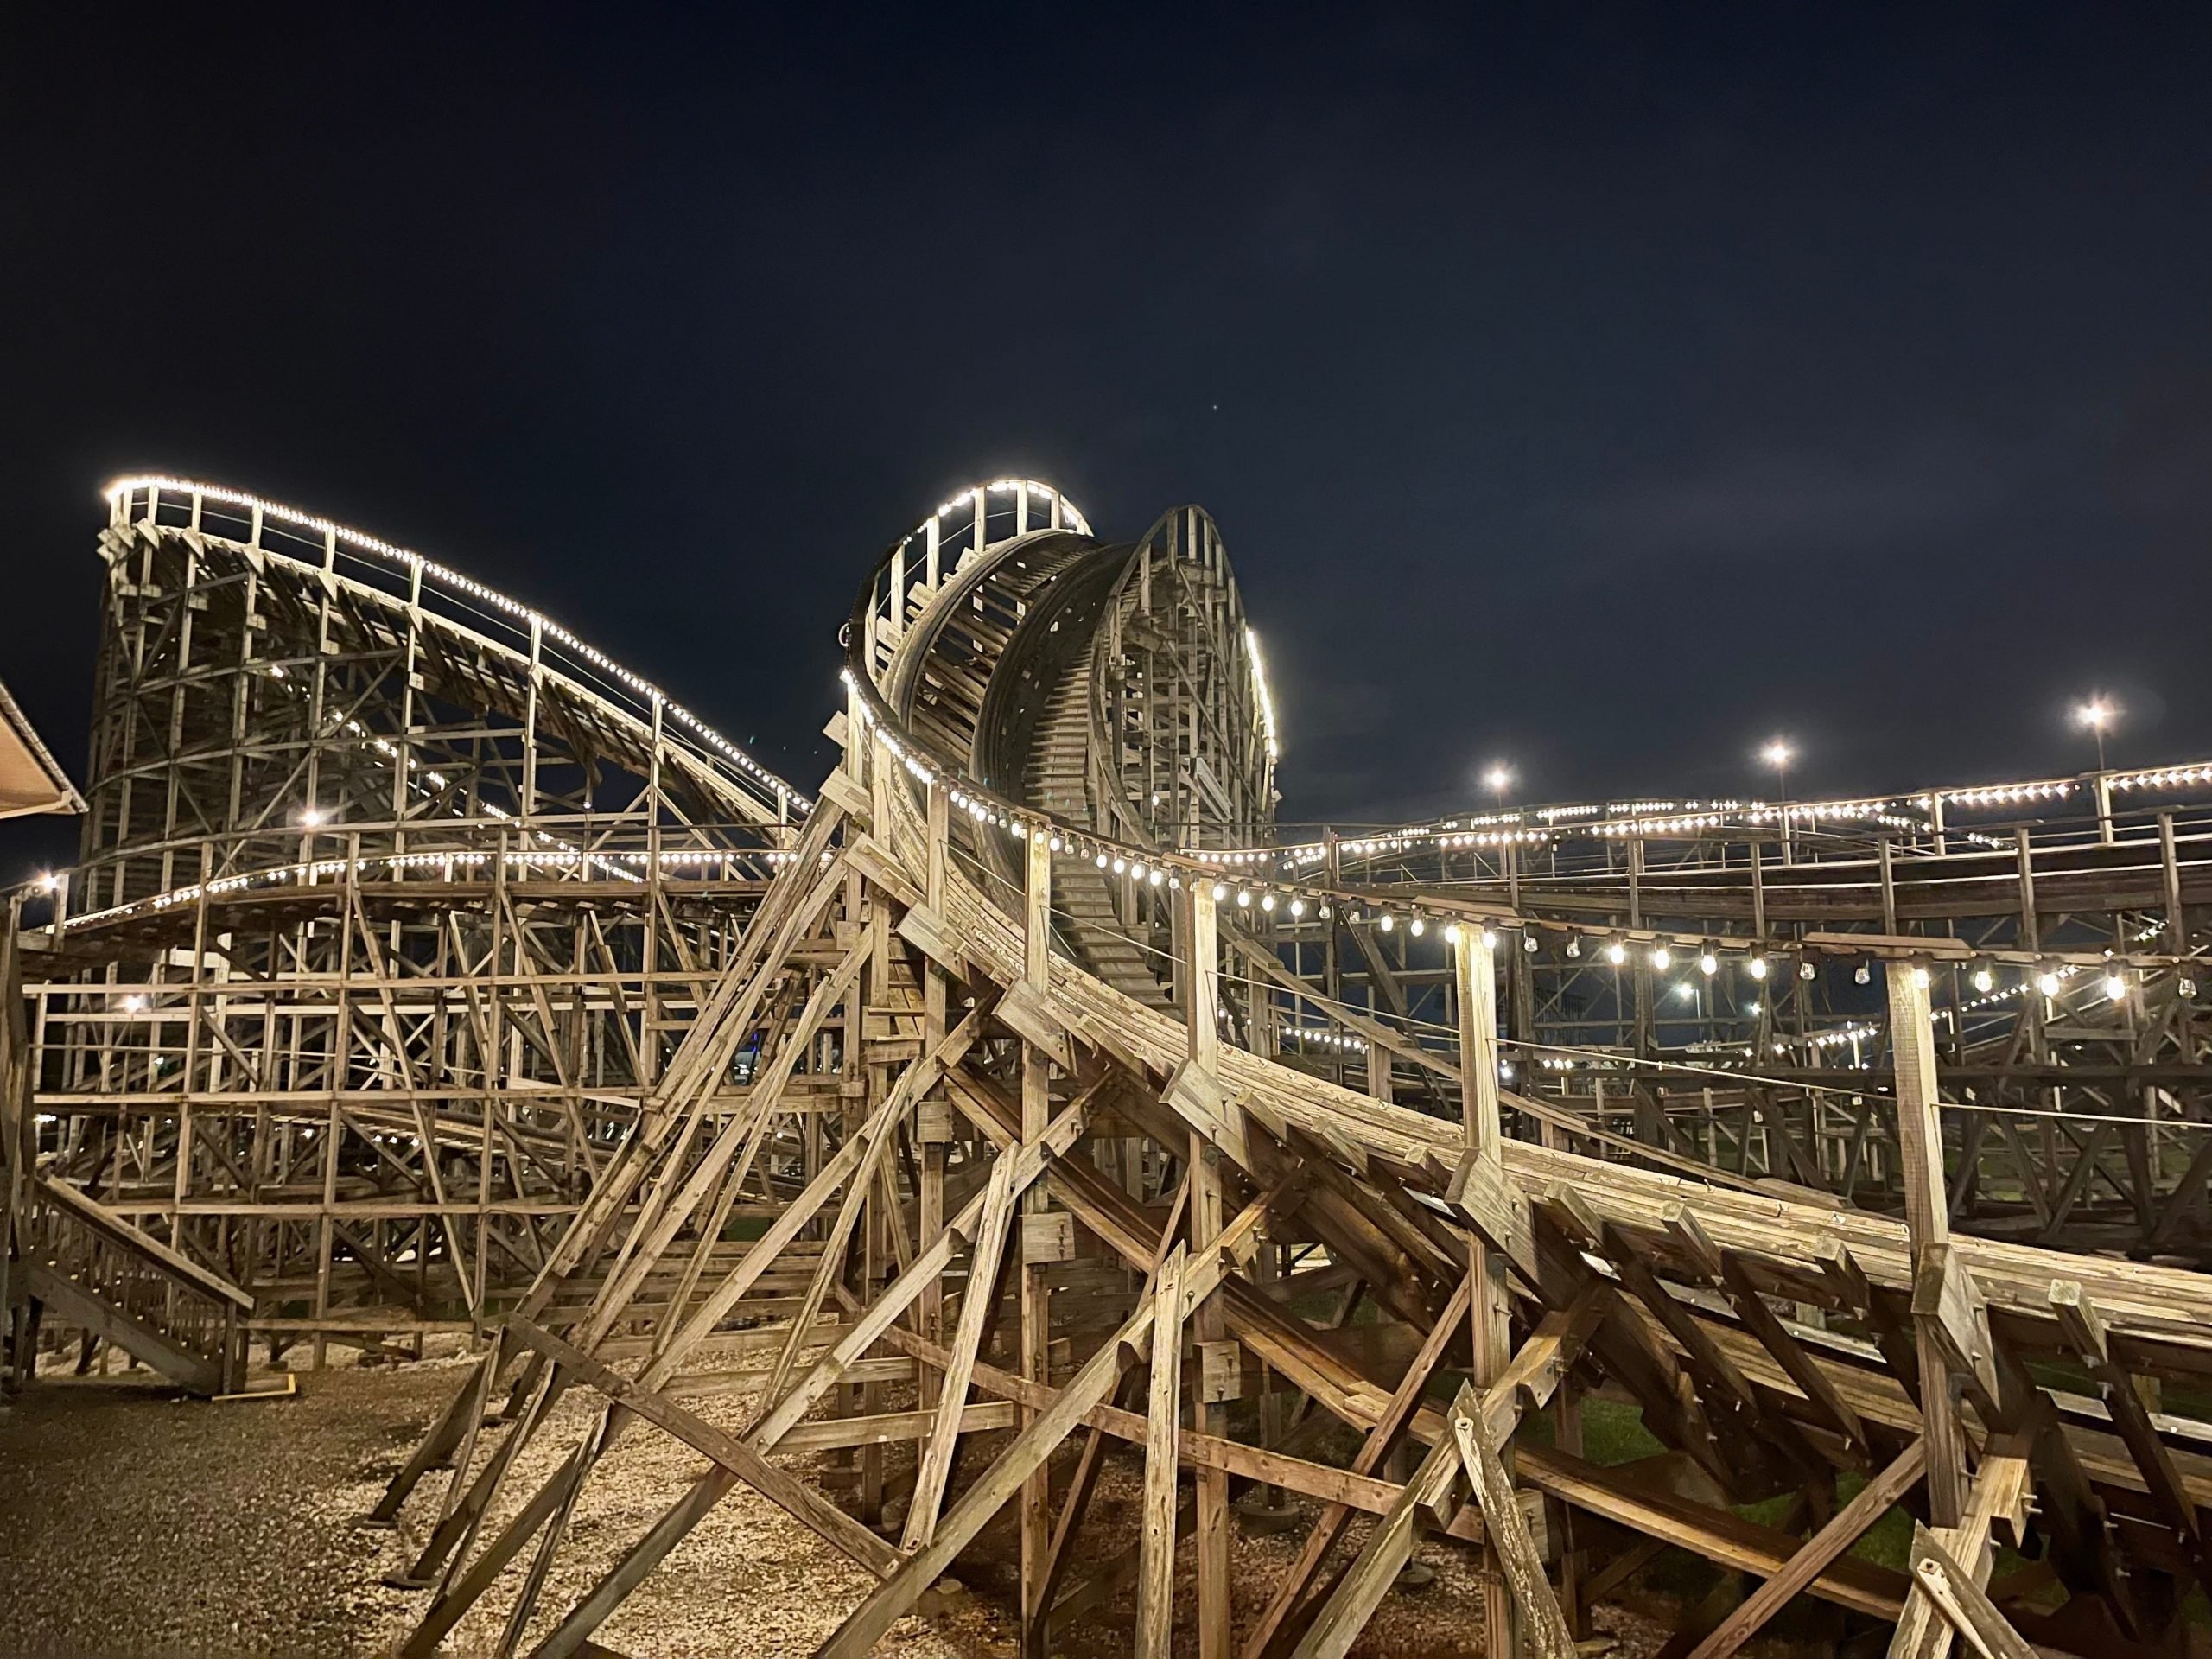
(1498, 778)
(1778, 754)
(2098, 714)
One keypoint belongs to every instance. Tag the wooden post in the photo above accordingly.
(933, 1116)
(1490, 1310)
(1209, 1539)
(1928, 1227)
(1156, 1526)
(1036, 1511)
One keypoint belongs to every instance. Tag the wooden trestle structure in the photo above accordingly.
(981, 1110)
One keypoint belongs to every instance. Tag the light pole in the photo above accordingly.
(2097, 714)
(1778, 754)
(1499, 777)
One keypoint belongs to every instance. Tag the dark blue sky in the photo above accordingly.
(1604, 387)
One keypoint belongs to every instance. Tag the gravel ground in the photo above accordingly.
(133, 1521)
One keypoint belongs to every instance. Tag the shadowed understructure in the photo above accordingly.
(1032, 1097)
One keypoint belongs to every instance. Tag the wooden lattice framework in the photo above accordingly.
(1000, 1198)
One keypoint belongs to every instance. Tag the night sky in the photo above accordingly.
(1604, 388)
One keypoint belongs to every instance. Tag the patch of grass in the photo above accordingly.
(1613, 1432)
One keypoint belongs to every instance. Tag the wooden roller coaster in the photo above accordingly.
(1033, 1102)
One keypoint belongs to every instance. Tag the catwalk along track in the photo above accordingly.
(1032, 1100)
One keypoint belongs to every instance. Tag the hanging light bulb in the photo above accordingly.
(1055, 844)
(1243, 898)
(1920, 978)
(1984, 981)
(1757, 967)
(2116, 986)
(1297, 908)
(1662, 957)
(1617, 953)
(1528, 943)
(1708, 964)
(1489, 940)
(1805, 971)
(1862, 974)
(1416, 927)
(1266, 902)
(1575, 945)
(1388, 922)
(1220, 892)
(1119, 866)
(2047, 983)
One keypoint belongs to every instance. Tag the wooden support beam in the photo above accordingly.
(1331, 1524)
(935, 1466)
(1156, 1522)
(1038, 1055)
(1210, 1529)
(1812, 1379)
(1844, 1529)
(2085, 1335)
(568, 1639)
(1963, 1602)
(1522, 1565)
(1083, 1393)
(1389, 1546)
(1927, 1226)
(1999, 1492)
(1719, 1535)
(784, 1490)
(1481, 1172)
(1526, 1381)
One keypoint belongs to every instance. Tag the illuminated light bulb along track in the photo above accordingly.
(1383, 911)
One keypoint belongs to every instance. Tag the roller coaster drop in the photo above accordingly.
(426, 971)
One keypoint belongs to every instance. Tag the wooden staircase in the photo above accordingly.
(79, 1264)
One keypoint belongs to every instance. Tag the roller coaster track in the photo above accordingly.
(928, 1042)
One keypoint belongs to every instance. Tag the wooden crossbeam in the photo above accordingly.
(1527, 1379)
(1843, 1529)
(1719, 1535)
(1388, 1547)
(1087, 1389)
(780, 1488)
(1330, 1526)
